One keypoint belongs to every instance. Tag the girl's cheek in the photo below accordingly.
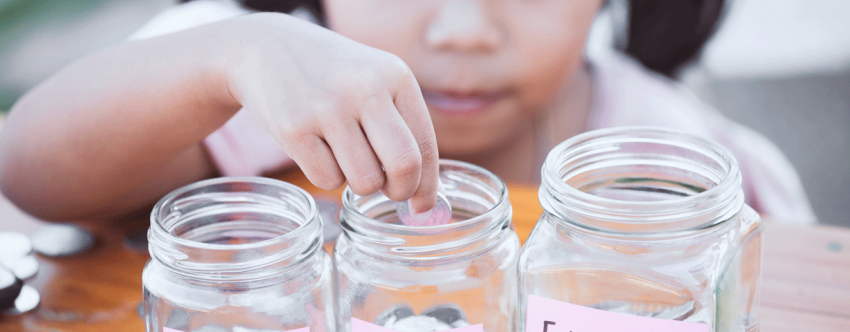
(390, 25)
(550, 44)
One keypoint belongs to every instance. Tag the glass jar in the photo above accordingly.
(409, 278)
(237, 254)
(644, 229)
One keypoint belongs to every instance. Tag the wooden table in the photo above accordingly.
(805, 283)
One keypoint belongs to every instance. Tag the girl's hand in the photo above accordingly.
(342, 110)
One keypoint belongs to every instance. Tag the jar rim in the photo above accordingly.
(433, 244)
(348, 194)
(727, 189)
(167, 200)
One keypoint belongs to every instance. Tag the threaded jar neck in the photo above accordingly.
(641, 181)
(235, 229)
(480, 210)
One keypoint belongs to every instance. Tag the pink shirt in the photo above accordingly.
(625, 94)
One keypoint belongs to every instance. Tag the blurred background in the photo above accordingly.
(781, 67)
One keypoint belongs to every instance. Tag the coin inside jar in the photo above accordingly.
(440, 214)
(439, 318)
(329, 210)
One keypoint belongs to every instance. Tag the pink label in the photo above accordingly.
(545, 315)
(362, 326)
(303, 329)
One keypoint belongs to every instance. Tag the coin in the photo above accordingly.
(441, 214)
(140, 309)
(447, 313)
(178, 319)
(212, 328)
(14, 244)
(23, 267)
(440, 318)
(137, 240)
(329, 211)
(394, 314)
(10, 287)
(27, 300)
(418, 323)
(61, 240)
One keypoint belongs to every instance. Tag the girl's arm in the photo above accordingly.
(114, 132)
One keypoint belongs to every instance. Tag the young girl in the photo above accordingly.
(496, 83)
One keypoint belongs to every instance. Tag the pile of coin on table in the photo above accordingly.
(18, 264)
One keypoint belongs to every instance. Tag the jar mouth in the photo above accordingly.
(234, 225)
(479, 202)
(641, 180)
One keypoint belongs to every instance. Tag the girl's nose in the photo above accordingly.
(464, 26)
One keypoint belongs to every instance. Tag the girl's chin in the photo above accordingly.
(454, 145)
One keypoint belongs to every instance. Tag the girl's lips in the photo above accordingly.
(461, 103)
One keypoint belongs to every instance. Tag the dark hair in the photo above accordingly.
(286, 6)
(663, 35)
(283, 6)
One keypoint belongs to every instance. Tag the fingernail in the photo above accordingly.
(440, 187)
(419, 215)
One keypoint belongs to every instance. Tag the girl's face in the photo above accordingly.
(486, 67)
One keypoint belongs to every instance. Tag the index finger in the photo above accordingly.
(411, 106)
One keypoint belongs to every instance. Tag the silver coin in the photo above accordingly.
(140, 309)
(418, 324)
(447, 313)
(178, 319)
(10, 287)
(61, 240)
(441, 214)
(329, 211)
(7, 278)
(394, 314)
(212, 328)
(14, 244)
(137, 241)
(23, 267)
(26, 301)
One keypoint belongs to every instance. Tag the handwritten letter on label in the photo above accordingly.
(363, 326)
(545, 315)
